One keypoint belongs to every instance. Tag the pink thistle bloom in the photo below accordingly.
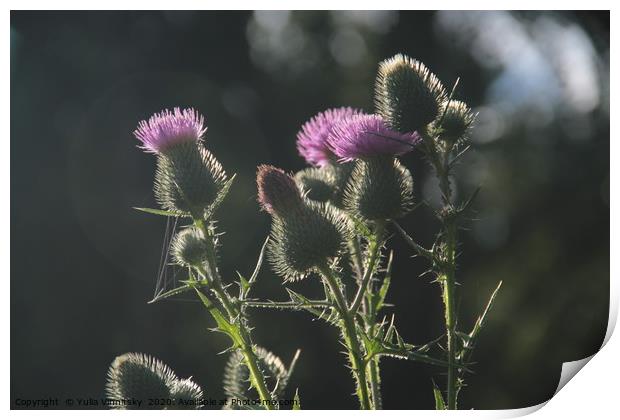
(366, 136)
(312, 138)
(168, 129)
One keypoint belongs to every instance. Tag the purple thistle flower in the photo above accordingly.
(167, 129)
(365, 136)
(312, 138)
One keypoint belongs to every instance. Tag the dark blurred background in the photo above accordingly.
(84, 264)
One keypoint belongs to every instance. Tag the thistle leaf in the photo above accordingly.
(221, 196)
(439, 402)
(173, 292)
(480, 322)
(159, 212)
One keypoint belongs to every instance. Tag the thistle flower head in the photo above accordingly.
(407, 95)
(278, 193)
(367, 136)
(312, 138)
(456, 122)
(135, 375)
(379, 189)
(169, 128)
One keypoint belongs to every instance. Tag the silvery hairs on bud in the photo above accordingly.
(135, 375)
(188, 178)
(307, 239)
(407, 95)
(189, 247)
(143, 377)
(380, 188)
(187, 395)
(456, 122)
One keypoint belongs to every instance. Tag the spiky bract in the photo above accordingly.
(306, 239)
(188, 179)
(187, 395)
(456, 122)
(189, 247)
(407, 95)
(139, 376)
(379, 189)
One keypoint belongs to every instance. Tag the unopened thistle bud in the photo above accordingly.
(379, 189)
(312, 138)
(317, 183)
(187, 395)
(407, 95)
(305, 234)
(456, 122)
(188, 177)
(278, 194)
(306, 240)
(139, 376)
(189, 247)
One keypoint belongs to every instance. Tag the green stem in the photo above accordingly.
(447, 276)
(375, 383)
(245, 341)
(450, 313)
(372, 262)
(350, 335)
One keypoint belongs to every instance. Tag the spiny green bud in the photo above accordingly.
(407, 95)
(187, 395)
(278, 194)
(189, 247)
(380, 188)
(188, 178)
(139, 376)
(317, 183)
(456, 122)
(306, 239)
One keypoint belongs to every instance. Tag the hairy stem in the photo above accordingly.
(257, 378)
(351, 340)
(375, 383)
(450, 313)
(447, 276)
(440, 159)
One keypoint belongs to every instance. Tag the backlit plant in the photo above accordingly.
(331, 223)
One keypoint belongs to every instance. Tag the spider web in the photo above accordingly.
(168, 274)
